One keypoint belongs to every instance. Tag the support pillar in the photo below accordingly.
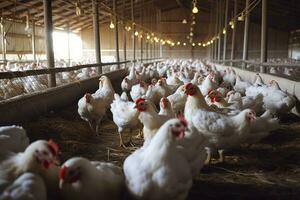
(133, 30)
(96, 34)
(220, 32)
(226, 25)
(246, 33)
(33, 41)
(264, 39)
(116, 34)
(48, 27)
(124, 34)
(3, 41)
(232, 56)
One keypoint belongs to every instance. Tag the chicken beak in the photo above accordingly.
(61, 183)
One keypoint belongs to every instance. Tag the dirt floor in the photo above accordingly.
(269, 170)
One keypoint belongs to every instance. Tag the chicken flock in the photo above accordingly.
(185, 110)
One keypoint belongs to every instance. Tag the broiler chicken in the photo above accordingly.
(39, 158)
(138, 90)
(178, 100)
(165, 108)
(124, 114)
(222, 131)
(150, 119)
(92, 107)
(12, 139)
(28, 186)
(83, 179)
(160, 170)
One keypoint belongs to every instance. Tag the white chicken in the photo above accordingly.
(124, 114)
(166, 108)
(241, 86)
(150, 119)
(28, 186)
(222, 131)
(261, 127)
(208, 84)
(138, 90)
(12, 139)
(82, 179)
(178, 99)
(38, 158)
(129, 80)
(92, 107)
(155, 93)
(159, 171)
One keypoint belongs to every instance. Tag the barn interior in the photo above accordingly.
(54, 52)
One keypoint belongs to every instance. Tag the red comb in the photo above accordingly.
(88, 97)
(183, 121)
(188, 85)
(62, 172)
(139, 100)
(53, 147)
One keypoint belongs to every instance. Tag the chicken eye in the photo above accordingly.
(45, 153)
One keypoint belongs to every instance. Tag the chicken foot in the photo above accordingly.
(221, 155)
(208, 158)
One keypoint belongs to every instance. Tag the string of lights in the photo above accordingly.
(151, 36)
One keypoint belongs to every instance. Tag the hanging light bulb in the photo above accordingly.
(199, 44)
(195, 9)
(184, 44)
(241, 17)
(184, 21)
(128, 28)
(193, 22)
(224, 31)
(78, 9)
(111, 25)
(232, 26)
(212, 41)
(204, 45)
(193, 44)
(178, 43)
(191, 34)
(148, 37)
(136, 33)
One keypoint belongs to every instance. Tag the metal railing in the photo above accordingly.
(284, 70)
(15, 83)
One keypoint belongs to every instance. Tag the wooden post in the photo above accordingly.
(116, 33)
(3, 40)
(232, 56)
(97, 34)
(124, 33)
(69, 55)
(48, 27)
(226, 25)
(220, 31)
(133, 29)
(246, 33)
(216, 33)
(264, 39)
(33, 41)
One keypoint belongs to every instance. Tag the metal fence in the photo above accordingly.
(16, 83)
(286, 70)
